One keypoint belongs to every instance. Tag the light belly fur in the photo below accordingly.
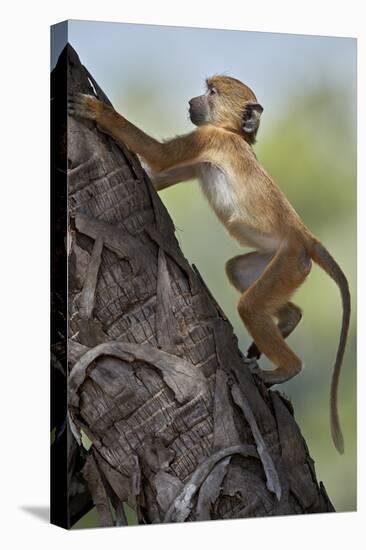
(220, 193)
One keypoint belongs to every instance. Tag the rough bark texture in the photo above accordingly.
(180, 428)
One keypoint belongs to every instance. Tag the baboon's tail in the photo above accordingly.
(324, 259)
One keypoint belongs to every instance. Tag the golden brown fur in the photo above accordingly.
(251, 207)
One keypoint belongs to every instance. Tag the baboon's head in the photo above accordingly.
(227, 102)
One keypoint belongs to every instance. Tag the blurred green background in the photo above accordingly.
(307, 143)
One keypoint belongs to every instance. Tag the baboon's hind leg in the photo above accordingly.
(242, 272)
(258, 305)
(289, 316)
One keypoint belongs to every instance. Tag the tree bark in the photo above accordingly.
(180, 428)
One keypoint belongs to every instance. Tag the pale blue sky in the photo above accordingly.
(168, 65)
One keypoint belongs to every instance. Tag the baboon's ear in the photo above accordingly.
(251, 119)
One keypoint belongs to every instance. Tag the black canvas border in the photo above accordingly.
(59, 479)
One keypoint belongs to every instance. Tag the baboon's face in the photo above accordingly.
(201, 108)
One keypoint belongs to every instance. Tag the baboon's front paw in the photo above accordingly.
(83, 106)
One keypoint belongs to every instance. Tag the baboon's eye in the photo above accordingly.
(213, 91)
